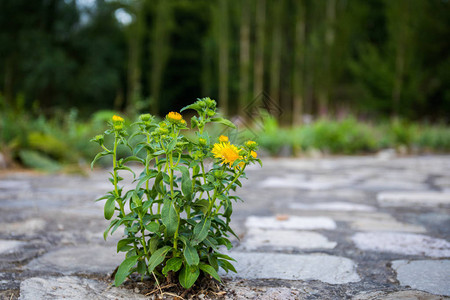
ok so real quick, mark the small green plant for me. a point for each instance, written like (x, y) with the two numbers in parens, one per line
(178, 214)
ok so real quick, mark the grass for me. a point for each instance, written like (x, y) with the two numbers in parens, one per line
(350, 136)
(62, 143)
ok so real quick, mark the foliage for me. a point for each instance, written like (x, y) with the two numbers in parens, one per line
(43, 143)
(380, 57)
(349, 136)
(180, 209)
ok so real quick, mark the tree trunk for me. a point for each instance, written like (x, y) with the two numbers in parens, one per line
(9, 82)
(324, 94)
(223, 55)
(258, 80)
(298, 69)
(160, 50)
(275, 63)
(134, 70)
(244, 67)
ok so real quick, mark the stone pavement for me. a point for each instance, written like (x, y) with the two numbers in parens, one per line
(336, 228)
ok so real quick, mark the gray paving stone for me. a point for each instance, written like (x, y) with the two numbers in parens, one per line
(70, 287)
(416, 198)
(299, 183)
(332, 206)
(427, 275)
(238, 290)
(14, 184)
(89, 259)
(26, 227)
(400, 295)
(325, 268)
(389, 224)
(286, 239)
(381, 184)
(293, 222)
(9, 246)
(402, 243)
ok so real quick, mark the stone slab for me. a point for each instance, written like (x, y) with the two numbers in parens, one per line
(391, 224)
(325, 268)
(286, 239)
(416, 198)
(78, 260)
(332, 206)
(427, 275)
(9, 246)
(14, 184)
(70, 287)
(26, 227)
(315, 184)
(402, 243)
(400, 295)
(293, 222)
(380, 184)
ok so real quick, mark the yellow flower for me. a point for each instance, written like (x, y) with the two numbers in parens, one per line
(254, 154)
(117, 119)
(175, 117)
(228, 153)
(250, 144)
(223, 139)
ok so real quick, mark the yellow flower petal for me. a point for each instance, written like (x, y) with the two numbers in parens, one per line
(223, 138)
(226, 152)
(117, 119)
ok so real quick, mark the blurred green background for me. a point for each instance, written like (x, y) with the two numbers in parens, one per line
(348, 76)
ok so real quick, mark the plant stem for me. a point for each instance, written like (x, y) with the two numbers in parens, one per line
(116, 189)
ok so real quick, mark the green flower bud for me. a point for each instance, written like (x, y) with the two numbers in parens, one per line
(98, 139)
(145, 117)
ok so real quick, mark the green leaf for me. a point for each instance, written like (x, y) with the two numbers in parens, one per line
(104, 197)
(173, 264)
(194, 105)
(207, 187)
(169, 216)
(157, 183)
(110, 206)
(201, 231)
(98, 156)
(124, 269)
(188, 276)
(133, 158)
(153, 244)
(220, 255)
(141, 267)
(202, 205)
(191, 255)
(186, 183)
(136, 199)
(171, 145)
(145, 178)
(228, 208)
(157, 257)
(224, 122)
(226, 265)
(105, 233)
(126, 169)
(152, 227)
(213, 261)
(208, 242)
(210, 270)
(122, 244)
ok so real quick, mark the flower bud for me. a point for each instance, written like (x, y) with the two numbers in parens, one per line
(145, 117)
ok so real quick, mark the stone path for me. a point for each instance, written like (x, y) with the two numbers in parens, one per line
(340, 228)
